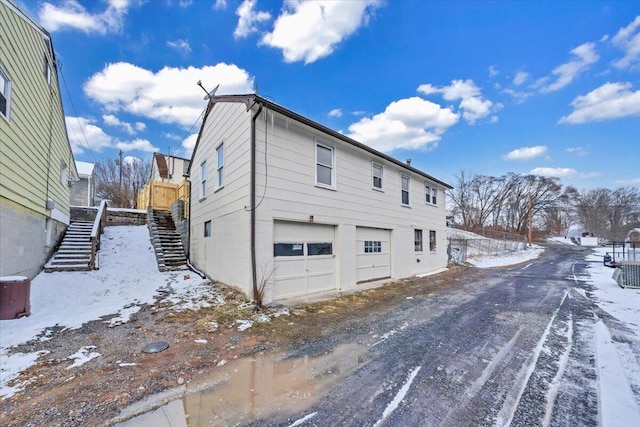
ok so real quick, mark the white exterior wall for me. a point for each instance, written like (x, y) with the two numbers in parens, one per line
(225, 256)
(292, 195)
(176, 168)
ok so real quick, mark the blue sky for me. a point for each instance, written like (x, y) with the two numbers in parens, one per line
(550, 88)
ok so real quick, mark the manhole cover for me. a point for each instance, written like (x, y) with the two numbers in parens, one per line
(156, 347)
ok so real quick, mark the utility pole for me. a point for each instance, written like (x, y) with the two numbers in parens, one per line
(120, 168)
(530, 220)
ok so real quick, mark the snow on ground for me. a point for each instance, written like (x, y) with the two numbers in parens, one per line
(128, 278)
(561, 240)
(507, 259)
(623, 304)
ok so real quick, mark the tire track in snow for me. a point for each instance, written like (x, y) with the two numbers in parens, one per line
(399, 396)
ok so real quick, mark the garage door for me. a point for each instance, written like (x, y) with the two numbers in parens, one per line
(373, 255)
(303, 259)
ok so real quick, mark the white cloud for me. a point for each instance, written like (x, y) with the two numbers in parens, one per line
(73, 15)
(185, 3)
(554, 172)
(220, 5)
(609, 101)
(519, 96)
(628, 39)
(578, 151)
(630, 182)
(520, 78)
(336, 112)
(83, 135)
(180, 45)
(583, 56)
(170, 95)
(525, 153)
(307, 31)
(411, 123)
(111, 120)
(140, 126)
(472, 105)
(248, 19)
(131, 160)
(136, 144)
(493, 71)
(170, 135)
(188, 144)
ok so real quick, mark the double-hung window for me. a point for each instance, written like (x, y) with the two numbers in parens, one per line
(417, 240)
(405, 189)
(427, 194)
(376, 172)
(325, 170)
(432, 240)
(434, 194)
(5, 94)
(203, 180)
(220, 168)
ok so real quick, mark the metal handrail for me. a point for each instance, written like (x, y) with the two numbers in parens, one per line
(98, 227)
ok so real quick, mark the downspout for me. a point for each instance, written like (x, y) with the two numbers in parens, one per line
(253, 203)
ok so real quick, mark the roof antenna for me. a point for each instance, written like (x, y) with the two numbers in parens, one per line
(208, 94)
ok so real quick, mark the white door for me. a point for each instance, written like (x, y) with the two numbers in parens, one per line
(303, 259)
(373, 254)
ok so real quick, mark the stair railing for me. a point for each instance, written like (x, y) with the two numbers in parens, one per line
(96, 231)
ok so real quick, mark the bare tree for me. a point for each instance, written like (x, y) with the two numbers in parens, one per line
(606, 213)
(120, 183)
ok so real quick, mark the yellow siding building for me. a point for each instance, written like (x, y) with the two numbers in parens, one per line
(36, 161)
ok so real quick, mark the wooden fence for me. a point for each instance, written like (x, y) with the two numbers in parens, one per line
(161, 195)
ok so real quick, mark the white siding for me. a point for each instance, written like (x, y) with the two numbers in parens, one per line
(225, 256)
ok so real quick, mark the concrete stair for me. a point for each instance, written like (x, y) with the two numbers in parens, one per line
(166, 241)
(74, 253)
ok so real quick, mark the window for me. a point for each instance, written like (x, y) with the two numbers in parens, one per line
(405, 189)
(372, 246)
(417, 240)
(427, 194)
(288, 249)
(220, 170)
(319, 249)
(5, 94)
(434, 193)
(207, 229)
(203, 180)
(432, 240)
(324, 165)
(47, 69)
(64, 174)
(376, 170)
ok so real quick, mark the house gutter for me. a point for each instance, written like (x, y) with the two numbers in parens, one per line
(253, 203)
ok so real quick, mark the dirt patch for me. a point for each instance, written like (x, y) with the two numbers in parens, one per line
(96, 392)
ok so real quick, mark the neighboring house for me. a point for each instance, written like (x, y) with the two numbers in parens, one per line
(633, 235)
(277, 198)
(83, 190)
(36, 162)
(166, 184)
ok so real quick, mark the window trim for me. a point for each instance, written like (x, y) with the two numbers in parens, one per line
(6, 94)
(418, 241)
(203, 181)
(408, 178)
(220, 168)
(331, 148)
(373, 176)
(433, 246)
(427, 194)
(207, 229)
(434, 193)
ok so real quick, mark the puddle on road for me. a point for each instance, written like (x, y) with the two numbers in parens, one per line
(253, 388)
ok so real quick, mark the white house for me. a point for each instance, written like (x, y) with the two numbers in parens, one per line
(277, 198)
(83, 190)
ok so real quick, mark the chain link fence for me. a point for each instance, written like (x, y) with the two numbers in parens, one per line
(464, 245)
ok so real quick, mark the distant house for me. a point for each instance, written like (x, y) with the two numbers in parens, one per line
(83, 190)
(280, 200)
(633, 236)
(36, 162)
(166, 184)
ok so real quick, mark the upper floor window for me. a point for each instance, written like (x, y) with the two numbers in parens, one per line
(405, 189)
(5, 94)
(427, 194)
(325, 172)
(376, 171)
(430, 194)
(220, 169)
(434, 194)
(47, 69)
(203, 180)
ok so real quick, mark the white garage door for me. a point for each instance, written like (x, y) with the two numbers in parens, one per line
(373, 255)
(303, 259)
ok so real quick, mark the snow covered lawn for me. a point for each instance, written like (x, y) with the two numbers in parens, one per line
(507, 259)
(127, 279)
